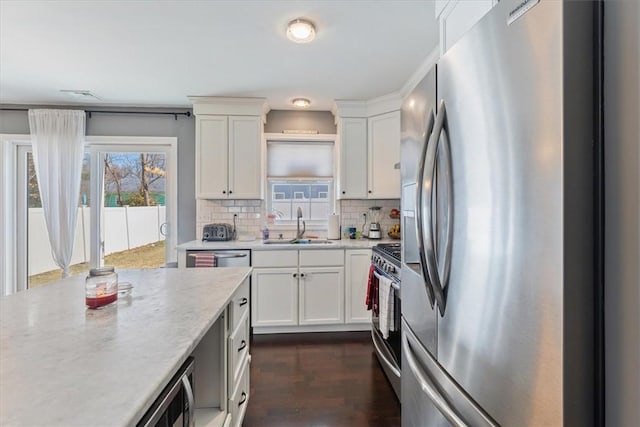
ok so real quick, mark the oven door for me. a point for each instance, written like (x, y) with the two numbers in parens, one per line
(388, 349)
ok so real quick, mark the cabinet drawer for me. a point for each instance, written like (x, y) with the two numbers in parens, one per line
(322, 257)
(239, 305)
(275, 258)
(238, 349)
(240, 397)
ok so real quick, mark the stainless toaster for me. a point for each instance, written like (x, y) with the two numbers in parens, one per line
(218, 232)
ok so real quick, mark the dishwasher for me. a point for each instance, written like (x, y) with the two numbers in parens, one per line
(224, 257)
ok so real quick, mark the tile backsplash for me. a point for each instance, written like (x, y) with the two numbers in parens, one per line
(251, 215)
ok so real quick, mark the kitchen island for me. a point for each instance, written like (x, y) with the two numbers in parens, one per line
(63, 364)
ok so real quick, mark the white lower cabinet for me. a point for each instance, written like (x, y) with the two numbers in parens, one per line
(321, 295)
(240, 396)
(222, 361)
(356, 265)
(274, 292)
(310, 294)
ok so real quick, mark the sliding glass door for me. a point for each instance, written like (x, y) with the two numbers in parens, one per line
(126, 207)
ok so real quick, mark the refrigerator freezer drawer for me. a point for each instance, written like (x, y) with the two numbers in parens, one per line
(430, 397)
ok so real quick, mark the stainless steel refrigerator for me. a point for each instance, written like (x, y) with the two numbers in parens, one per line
(499, 166)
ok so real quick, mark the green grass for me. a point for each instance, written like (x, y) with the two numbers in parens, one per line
(148, 256)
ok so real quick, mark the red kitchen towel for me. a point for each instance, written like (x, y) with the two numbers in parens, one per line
(205, 260)
(372, 283)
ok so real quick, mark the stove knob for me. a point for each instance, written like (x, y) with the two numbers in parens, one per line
(393, 270)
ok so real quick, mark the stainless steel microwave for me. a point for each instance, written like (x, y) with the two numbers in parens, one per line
(175, 406)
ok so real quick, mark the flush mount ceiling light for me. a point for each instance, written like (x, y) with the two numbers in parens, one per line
(301, 102)
(301, 31)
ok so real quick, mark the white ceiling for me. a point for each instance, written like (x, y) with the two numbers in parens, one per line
(160, 52)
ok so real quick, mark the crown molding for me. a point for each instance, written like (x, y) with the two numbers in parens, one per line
(230, 106)
(347, 108)
(386, 103)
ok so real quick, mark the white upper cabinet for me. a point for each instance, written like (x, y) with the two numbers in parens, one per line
(212, 149)
(369, 148)
(353, 158)
(228, 147)
(244, 157)
(457, 17)
(384, 155)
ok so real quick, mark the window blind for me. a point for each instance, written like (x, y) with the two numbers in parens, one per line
(299, 159)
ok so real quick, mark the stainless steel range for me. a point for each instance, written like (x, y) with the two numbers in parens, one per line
(386, 337)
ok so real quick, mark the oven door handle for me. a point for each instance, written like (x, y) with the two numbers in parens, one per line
(395, 285)
(382, 354)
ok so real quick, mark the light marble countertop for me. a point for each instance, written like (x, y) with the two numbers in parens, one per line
(64, 365)
(259, 245)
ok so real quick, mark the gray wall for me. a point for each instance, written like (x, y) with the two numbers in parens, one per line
(138, 125)
(622, 212)
(279, 120)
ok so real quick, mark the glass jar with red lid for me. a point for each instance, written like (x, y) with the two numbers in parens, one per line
(101, 287)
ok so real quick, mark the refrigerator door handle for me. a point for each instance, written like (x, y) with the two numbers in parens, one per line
(426, 206)
(446, 152)
(419, 215)
(428, 388)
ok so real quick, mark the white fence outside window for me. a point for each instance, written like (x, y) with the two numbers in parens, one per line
(124, 228)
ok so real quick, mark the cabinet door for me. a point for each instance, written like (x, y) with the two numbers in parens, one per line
(321, 295)
(274, 297)
(244, 157)
(356, 266)
(384, 154)
(211, 157)
(353, 159)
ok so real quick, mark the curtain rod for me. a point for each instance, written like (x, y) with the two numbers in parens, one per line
(90, 112)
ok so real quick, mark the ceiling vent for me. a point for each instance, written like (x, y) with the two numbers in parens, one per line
(84, 95)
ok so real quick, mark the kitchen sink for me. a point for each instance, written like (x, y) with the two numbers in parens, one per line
(297, 242)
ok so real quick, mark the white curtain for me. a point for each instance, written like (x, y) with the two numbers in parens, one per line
(57, 137)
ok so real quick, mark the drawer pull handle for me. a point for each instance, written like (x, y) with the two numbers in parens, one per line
(243, 399)
(243, 345)
(243, 301)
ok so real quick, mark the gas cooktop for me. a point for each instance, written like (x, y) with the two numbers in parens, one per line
(389, 250)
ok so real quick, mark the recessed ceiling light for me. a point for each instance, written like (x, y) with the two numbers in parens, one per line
(301, 102)
(301, 31)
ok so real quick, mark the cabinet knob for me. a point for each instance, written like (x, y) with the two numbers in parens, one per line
(369, 191)
(224, 192)
(301, 274)
(344, 192)
(295, 274)
(230, 191)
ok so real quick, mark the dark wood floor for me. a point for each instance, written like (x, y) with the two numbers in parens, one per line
(322, 379)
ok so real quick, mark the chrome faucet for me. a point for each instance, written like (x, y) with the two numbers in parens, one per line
(304, 225)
